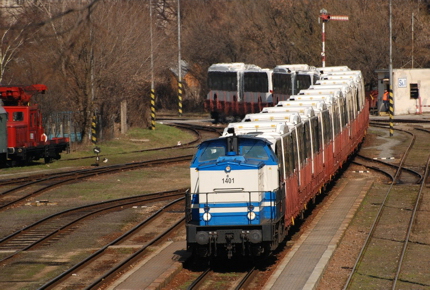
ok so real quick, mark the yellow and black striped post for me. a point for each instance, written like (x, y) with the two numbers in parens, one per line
(94, 129)
(391, 108)
(180, 98)
(152, 109)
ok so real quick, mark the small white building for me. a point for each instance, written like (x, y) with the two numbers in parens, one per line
(411, 90)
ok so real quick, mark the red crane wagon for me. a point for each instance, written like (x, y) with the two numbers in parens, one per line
(25, 136)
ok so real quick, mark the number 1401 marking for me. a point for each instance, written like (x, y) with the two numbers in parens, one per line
(228, 180)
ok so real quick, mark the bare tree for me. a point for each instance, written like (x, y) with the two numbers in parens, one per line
(9, 48)
(97, 57)
(95, 54)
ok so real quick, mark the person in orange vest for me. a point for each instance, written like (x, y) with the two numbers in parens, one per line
(385, 100)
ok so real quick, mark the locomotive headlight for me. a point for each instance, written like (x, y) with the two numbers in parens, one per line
(206, 216)
(227, 169)
(251, 214)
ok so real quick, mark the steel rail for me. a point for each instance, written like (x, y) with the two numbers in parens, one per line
(81, 174)
(379, 213)
(119, 203)
(376, 169)
(55, 281)
(411, 171)
(190, 128)
(246, 279)
(410, 226)
(198, 281)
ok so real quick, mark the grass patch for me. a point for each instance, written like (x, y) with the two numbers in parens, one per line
(124, 251)
(128, 183)
(119, 150)
(136, 139)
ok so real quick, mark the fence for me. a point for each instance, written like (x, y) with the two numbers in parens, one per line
(61, 124)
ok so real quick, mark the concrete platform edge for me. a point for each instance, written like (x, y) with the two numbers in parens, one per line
(166, 277)
(313, 280)
(144, 261)
(315, 277)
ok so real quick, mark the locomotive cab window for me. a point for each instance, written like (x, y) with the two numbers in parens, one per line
(212, 152)
(249, 148)
(18, 116)
(255, 152)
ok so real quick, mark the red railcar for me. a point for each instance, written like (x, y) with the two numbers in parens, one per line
(25, 136)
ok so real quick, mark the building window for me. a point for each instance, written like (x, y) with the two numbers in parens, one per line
(415, 93)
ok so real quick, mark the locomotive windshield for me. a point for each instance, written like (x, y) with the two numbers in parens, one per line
(249, 148)
(18, 116)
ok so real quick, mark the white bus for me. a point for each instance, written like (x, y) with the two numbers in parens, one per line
(290, 79)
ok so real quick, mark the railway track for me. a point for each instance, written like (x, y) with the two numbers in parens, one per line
(122, 252)
(34, 187)
(389, 169)
(60, 224)
(399, 120)
(201, 132)
(411, 179)
(199, 128)
(237, 280)
(196, 130)
(50, 233)
(390, 257)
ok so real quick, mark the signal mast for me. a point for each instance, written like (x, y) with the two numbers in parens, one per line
(325, 17)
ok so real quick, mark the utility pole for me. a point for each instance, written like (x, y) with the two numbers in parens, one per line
(412, 42)
(94, 119)
(179, 61)
(152, 70)
(391, 98)
(325, 17)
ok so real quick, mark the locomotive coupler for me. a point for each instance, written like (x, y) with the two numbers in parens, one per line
(243, 237)
(229, 246)
(212, 238)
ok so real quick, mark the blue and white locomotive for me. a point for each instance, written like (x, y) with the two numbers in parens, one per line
(236, 204)
(249, 186)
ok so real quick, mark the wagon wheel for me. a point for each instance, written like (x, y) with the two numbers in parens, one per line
(48, 160)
